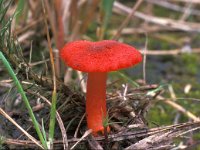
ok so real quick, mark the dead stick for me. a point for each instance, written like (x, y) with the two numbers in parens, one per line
(128, 18)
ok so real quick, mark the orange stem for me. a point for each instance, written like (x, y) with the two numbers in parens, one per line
(96, 101)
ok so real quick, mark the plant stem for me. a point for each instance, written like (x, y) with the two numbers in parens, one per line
(52, 118)
(24, 98)
(96, 101)
(54, 94)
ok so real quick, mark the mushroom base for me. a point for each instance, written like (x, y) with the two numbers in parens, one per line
(96, 101)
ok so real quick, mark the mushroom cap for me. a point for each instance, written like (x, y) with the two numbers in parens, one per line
(102, 56)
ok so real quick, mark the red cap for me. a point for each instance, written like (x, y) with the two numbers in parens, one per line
(102, 56)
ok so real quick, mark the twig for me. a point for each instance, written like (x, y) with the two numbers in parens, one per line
(24, 36)
(5, 84)
(124, 98)
(170, 23)
(51, 19)
(173, 97)
(182, 133)
(54, 94)
(60, 27)
(128, 18)
(60, 122)
(172, 93)
(66, 15)
(57, 62)
(187, 11)
(173, 6)
(2, 112)
(119, 136)
(84, 136)
(143, 30)
(60, 41)
(180, 108)
(38, 62)
(76, 132)
(168, 52)
(192, 1)
(30, 25)
(89, 14)
(183, 110)
(81, 81)
(75, 31)
(152, 141)
(145, 58)
(93, 143)
(56, 35)
(68, 75)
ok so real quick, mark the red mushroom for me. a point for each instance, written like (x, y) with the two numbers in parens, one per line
(98, 58)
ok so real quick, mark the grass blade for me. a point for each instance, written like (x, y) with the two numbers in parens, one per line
(125, 77)
(106, 12)
(19, 10)
(54, 94)
(24, 98)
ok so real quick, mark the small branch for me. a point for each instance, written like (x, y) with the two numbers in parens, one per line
(173, 6)
(183, 110)
(88, 132)
(54, 94)
(145, 58)
(156, 140)
(79, 124)
(168, 52)
(192, 1)
(3, 113)
(142, 30)
(170, 23)
(128, 18)
(93, 143)
(60, 122)
(60, 27)
(119, 136)
(180, 108)
(187, 11)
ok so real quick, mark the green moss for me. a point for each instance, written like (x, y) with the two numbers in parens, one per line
(190, 62)
(160, 115)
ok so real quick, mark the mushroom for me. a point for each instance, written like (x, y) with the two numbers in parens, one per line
(97, 59)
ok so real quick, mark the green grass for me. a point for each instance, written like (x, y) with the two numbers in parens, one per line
(24, 98)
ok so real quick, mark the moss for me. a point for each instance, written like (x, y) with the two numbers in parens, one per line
(165, 116)
(190, 61)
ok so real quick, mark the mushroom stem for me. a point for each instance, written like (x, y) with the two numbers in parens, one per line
(96, 101)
